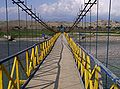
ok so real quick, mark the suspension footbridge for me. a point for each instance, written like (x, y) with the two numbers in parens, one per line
(57, 62)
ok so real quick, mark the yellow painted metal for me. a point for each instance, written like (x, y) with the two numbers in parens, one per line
(33, 58)
(12, 72)
(1, 77)
(27, 63)
(17, 74)
(96, 79)
(30, 67)
(87, 71)
(9, 77)
(91, 77)
(36, 54)
(114, 86)
(31, 61)
(22, 81)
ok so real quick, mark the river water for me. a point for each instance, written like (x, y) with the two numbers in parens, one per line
(14, 47)
(114, 51)
(114, 55)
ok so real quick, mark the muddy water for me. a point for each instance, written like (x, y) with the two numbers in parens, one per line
(13, 47)
(114, 54)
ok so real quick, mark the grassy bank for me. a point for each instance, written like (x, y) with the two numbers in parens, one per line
(27, 33)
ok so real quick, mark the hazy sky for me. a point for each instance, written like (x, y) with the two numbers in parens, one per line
(62, 10)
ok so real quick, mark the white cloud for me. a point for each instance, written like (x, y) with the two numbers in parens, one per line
(61, 8)
(68, 9)
(11, 10)
(71, 8)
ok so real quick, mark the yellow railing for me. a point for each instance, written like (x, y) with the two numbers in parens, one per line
(23, 66)
(90, 74)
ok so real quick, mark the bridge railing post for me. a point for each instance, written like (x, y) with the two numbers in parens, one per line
(90, 68)
(1, 77)
(27, 63)
(17, 73)
(37, 55)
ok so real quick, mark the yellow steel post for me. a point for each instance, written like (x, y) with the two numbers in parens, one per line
(17, 75)
(47, 46)
(43, 49)
(36, 54)
(27, 63)
(12, 72)
(80, 53)
(1, 77)
(87, 71)
(82, 64)
(79, 64)
(114, 86)
(82, 68)
(33, 57)
(96, 83)
(30, 67)
(8, 75)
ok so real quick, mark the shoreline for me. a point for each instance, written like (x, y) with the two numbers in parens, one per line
(25, 39)
(100, 38)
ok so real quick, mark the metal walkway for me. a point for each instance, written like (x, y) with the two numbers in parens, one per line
(58, 70)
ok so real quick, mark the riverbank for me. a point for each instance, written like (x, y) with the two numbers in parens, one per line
(26, 39)
(100, 38)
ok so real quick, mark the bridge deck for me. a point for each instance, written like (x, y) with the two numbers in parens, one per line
(58, 70)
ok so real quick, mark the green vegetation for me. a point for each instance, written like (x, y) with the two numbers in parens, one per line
(27, 33)
(2, 34)
(100, 33)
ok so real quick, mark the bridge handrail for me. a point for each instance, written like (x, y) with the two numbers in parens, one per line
(111, 75)
(26, 66)
(20, 52)
(91, 76)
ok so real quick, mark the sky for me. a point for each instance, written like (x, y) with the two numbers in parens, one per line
(62, 10)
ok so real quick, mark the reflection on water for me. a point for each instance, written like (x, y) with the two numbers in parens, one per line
(114, 53)
(114, 57)
(14, 47)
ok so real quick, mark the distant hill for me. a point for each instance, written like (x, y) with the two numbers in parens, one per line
(14, 23)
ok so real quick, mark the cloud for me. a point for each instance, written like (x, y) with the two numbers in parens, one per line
(60, 9)
(69, 8)
(11, 10)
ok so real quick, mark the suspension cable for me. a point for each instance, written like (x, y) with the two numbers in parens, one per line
(79, 31)
(96, 54)
(82, 29)
(26, 25)
(90, 33)
(8, 48)
(76, 21)
(32, 26)
(39, 27)
(35, 24)
(82, 14)
(85, 31)
(31, 13)
(108, 39)
(19, 29)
